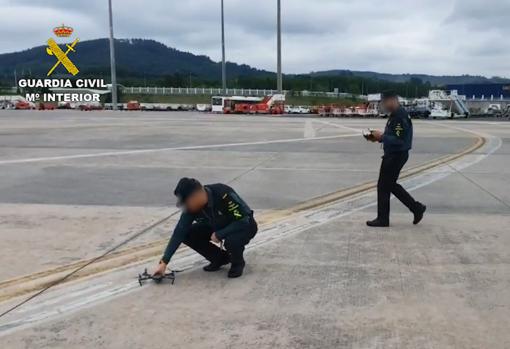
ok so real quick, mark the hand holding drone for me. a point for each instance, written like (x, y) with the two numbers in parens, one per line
(156, 278)
(372, 135)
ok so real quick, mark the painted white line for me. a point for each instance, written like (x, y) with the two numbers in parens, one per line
(339, 126)
(309, 130)
(68, 295)
(241, 168)
(156, 150)
(284, 229)
(69, 307)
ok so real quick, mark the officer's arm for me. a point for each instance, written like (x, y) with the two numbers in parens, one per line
(395, 133)
(239, 212)
(178, 236)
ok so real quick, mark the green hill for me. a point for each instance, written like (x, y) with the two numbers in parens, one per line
(136, 58)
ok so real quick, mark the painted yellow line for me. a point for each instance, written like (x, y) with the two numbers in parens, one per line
(30, 283)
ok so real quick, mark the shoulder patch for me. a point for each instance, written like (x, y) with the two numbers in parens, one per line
(399, 129)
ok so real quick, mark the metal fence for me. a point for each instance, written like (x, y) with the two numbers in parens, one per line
(193, 91)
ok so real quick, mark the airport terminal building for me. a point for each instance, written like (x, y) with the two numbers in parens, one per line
(483, 91)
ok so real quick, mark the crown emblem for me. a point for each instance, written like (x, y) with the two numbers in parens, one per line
(63, 31)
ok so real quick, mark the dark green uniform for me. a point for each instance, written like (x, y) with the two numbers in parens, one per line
(225, 214)
(397, 141)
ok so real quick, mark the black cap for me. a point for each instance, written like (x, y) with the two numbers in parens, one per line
(389, 94)
(185, 188)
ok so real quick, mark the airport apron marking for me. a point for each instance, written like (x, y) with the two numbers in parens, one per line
(83, 294)
(144, 151)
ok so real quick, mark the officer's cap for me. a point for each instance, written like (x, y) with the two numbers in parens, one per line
(389, 94)
(185, 188)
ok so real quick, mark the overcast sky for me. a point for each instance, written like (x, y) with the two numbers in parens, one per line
(399, 36)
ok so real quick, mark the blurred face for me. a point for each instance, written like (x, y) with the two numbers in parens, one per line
(196, 201)
(390, 104)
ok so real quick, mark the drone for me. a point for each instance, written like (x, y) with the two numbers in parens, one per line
(368, 134)
(157, 279)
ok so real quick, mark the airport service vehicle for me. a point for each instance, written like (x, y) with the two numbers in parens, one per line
(226, 105)
(274, 104)
(439, 105)
(368, 110)
(296, 110)
(6, 105)
(46, 106)
(203, 107)
(506, 112)
(90, 106)
(66, 105)
(494, 109)
(24, 105)
(324, 110)
(248, 105)
(330, 110)
(438, 111)
(133, 105)
(341, 111)
(451, 101)
(417, 111)
(361, 110)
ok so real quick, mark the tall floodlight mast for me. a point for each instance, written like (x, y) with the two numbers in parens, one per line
(279, 59)
(223, 61)
(112, 58)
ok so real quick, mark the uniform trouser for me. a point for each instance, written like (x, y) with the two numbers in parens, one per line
(388, 175)
(199, 239)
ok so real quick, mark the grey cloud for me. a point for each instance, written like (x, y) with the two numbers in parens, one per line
(419, 36)
(482, 15)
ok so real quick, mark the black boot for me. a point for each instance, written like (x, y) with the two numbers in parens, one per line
(236, 270)
(378, 223)
(418, 212)
(216, 265)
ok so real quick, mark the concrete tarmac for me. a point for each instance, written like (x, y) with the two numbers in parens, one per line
(74, 184)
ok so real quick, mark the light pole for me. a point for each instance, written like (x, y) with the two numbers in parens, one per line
(223, 62)
(112, 58)
(279, 59)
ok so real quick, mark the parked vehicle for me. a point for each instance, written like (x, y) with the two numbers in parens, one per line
(494, 109)
(46, 106)
(226, 105)
(6, 105)
(66, 105)
(504, 112)
(297, 109)
(203, 107)
(90, 107)
(24, 105)
(438, 111)
(133, 105)
(268, 105)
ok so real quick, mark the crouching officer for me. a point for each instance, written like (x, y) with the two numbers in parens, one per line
(211, 213)
(397, 140)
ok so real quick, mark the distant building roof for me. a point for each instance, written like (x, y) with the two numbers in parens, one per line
(482, 90)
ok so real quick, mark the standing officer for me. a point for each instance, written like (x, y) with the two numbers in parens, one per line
(397, 140)
(211, 213)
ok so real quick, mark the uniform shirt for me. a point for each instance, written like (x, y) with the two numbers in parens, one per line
(398, 134)
(225, 212)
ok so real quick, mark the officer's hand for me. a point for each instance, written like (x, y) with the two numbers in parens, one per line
(377, 135)
(160, 270)
(214, 238)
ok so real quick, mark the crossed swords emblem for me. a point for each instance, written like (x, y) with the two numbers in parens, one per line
(54, 50)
